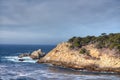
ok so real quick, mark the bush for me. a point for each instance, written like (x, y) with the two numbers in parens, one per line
(84, 51)
(110, 41)
(71, 47)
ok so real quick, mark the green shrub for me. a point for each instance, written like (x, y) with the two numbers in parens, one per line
(71, 47)
(103, 41)
(84, 51)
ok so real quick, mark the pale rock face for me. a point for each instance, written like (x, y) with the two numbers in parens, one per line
(97, 60)
(36, 54)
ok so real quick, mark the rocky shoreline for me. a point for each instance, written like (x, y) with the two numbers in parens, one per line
(37, 54)
(76, 67)
(62, 55)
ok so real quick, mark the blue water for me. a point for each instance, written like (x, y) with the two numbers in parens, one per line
(11, 69)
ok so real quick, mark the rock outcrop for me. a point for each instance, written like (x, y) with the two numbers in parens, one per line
(24, 55)
(97, 60)
(37, 54)
(34, 55)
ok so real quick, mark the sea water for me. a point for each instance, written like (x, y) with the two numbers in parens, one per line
(13, 69)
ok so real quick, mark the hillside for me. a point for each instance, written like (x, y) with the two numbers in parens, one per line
(89, 53)
(111, 41)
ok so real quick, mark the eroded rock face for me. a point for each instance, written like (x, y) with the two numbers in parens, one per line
(37, 54)
(98, 60)
(34, 55)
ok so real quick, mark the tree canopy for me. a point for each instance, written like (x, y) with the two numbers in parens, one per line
(111, 41)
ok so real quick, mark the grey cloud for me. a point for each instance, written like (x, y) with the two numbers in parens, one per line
(59, 17)
(60, 12)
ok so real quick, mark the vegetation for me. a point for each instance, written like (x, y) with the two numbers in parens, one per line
(84, 51)
(111, 41)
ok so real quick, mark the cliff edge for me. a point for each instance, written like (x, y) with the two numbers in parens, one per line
(96, 60)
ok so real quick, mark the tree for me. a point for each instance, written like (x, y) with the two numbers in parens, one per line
(103, 34)
(111, 41)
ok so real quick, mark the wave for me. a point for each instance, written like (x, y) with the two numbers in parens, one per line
(17, 59)
(36, 73)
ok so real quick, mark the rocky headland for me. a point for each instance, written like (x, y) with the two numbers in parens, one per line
(97, 60)
(90, 56)
(91, 53)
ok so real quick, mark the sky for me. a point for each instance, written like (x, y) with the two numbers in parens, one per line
(55, 21)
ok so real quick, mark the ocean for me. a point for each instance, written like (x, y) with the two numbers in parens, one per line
(13, 69)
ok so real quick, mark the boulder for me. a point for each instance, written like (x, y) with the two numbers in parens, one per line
(37, 54)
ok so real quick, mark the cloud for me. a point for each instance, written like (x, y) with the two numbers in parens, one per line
(17, 37)
(60, 19)
(54, 12)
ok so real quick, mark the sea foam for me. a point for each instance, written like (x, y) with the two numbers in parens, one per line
(16, 59)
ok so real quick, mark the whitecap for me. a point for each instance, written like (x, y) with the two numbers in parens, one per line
(17, 59)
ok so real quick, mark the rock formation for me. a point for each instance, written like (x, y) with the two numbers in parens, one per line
(37, 54)
(34, 55)
(24, 55)
(97, 60)
(21, 59)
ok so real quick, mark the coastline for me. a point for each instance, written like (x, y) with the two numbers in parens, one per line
(63, 56)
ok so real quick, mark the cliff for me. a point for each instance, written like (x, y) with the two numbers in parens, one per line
(97, 60)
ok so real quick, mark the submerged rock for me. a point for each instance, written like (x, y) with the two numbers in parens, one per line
(97, 60)
(21, 59)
